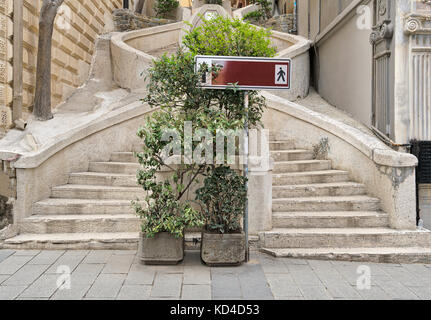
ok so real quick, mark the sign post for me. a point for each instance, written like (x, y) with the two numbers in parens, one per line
(246, 74)
(246, 169)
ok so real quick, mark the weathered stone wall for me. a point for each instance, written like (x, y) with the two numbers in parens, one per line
(127, 20)
(77, 26)
(73, 44)
(282, 23)
(5, 64)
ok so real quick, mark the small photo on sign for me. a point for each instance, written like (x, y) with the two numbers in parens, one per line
(206, 77)
(281, 75)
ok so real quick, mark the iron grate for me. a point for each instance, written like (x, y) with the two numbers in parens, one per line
(422, 150)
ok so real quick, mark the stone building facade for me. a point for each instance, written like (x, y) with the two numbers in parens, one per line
(372, 59)
(77, 26)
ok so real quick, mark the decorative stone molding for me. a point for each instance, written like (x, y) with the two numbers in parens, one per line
(383, 31)
(418, 23)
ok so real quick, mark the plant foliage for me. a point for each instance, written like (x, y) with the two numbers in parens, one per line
(265, 8)
(219, 2)
(223, 196)
(175, 95)
(164, 7)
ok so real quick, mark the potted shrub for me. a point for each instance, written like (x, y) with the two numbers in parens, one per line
(223, 199)
(182, 106)
(164, 220)
(165, 215)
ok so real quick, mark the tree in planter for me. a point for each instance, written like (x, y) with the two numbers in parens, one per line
(164, 7)
(174, 90)
(223, 199)
(165, 213)
(42, 101)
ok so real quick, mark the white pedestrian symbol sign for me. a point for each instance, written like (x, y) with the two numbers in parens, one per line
(281, 74)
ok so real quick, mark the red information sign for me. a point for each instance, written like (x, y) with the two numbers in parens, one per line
(247, 73)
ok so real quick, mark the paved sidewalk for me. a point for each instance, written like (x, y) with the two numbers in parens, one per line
(118, 275)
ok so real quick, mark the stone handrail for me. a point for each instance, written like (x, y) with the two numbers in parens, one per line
(370, 146)
(387, 174)
(130, 64)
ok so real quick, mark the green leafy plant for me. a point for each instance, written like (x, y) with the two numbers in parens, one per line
(224, 36)
(175, 93)
(219, 2)
(165, 210)
(265, 8)
(253, 16)
(164, 213)
(223, 199)
(164, 7)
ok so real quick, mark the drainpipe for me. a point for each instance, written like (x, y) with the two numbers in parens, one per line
(17, 59)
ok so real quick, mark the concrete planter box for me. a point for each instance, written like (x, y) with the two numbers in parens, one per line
(218, 250)
(163, 249)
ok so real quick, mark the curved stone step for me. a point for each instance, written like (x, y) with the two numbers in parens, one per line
(41, 224)
(88, 241)
(377, 255)
(302, 166)
(318, 190)
(344, 238)
(352, 203)
(82, 206)
(124, 157)
(326, 176)
(75, 191)
(281, 145)
(341, 219)
(292, 155)
(74, 241)
(114, 167)
(103, 179)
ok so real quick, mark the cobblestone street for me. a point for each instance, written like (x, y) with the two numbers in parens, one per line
(103, 275)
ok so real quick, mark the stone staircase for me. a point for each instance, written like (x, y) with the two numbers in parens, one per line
(93, 211)
(319, 213)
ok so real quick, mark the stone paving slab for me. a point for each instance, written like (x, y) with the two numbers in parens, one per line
(86, 274)
(43, 287)
(97, 257)
(12, 264)
(106, 286)
(76, 292)
(140, 275)
(4, 254)
(110, 275)
(225, 286)
(315, 292)
(70, 261)
(118, 264)
(27, 253)
(10, 293)
(47, 257)
(26, 275)
(135, 292)
(3, 278)
(196, 292)
(167, 285)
